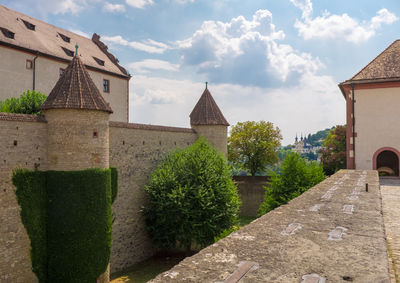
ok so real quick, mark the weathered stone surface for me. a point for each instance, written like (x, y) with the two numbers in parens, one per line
(136, 153)
(22, 144)
(360, 256)
(390, 189)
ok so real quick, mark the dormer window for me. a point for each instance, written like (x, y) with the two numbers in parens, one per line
(68, 52)
(29, 25)
(65, 38)
(7, 33)
(99, 61)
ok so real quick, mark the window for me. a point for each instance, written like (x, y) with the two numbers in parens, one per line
(106, 85)
(65, 38)
(99, 61)
(29, 25)
(62, 72)
(68, 52)
(7, 33)
(29, 64)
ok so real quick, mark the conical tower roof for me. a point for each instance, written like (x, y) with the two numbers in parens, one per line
(207, 112)
(76, 90)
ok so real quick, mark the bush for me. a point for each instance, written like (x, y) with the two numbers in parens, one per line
(296, 176)
(67, 215)
(28, 103)
(32, 198)
(192, 198)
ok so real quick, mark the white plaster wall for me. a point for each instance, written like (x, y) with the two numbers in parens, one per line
(377, 123)
(15, 79)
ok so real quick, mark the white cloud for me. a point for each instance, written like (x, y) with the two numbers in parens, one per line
(151, 64)
(344, 27)
(118, 8)
(313, 105)
(148, 45)
(304, 5)
(140, 4)
(245, 52)
(68, 6)
(184, 1)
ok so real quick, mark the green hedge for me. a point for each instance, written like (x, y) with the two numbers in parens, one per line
(32, 196)
(114, 183)
(74, 212)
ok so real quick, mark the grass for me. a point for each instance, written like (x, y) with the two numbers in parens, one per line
(148, 269)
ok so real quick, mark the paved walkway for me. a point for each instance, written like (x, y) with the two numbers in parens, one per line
(390, 190)
(332, 233)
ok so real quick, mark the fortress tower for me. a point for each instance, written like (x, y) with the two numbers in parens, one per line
(208, 121)
(77, 116)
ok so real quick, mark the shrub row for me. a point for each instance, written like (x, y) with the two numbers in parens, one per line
(67, 215)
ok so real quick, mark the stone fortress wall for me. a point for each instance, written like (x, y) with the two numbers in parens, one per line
(23, 143)
(135, 150)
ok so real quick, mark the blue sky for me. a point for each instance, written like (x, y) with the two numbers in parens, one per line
(278, 61)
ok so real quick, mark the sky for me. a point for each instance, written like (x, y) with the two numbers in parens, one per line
(277, 61)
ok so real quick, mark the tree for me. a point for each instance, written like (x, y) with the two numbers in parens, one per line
(192, 198)
(296, 176)
(28, 103)
(333, 152)
(253, 145)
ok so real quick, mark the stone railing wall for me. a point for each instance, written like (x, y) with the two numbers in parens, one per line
(334, 232)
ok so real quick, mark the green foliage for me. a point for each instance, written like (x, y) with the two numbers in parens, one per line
(79, 224)
(31, 196)
(114, 183)
(296, 176)
(333, 153)
(253, 145)
(192, 198)
(317, 138)
(71, 212)
(28, 103)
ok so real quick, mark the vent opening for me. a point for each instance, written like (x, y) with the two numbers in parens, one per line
(29, 25)
(64, 37)
(99, 61)
(7, 33)
(68, 52)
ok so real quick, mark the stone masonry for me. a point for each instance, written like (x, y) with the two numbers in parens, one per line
(334, 232)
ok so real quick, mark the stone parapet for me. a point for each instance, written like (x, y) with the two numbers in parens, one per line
(333, 232)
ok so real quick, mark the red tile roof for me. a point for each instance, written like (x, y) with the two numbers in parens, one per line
(150, 127)
(76, 90)
(206, 112)
(384, 67)
(47, 40)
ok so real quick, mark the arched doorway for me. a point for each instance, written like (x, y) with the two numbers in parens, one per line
(386, 161)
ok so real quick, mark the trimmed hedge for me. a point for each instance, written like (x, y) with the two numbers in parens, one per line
(114, 183)
(75, 221)
(31, 196)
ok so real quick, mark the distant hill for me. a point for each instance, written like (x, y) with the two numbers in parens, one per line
(317, 138)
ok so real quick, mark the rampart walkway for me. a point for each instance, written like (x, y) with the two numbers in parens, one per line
(390, 189)
(332, 233)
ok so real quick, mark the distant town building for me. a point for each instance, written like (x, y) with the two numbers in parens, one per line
(372, 107)
(302, 146)
(35, 54)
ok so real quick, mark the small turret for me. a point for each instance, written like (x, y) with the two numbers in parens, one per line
(77, 116)
(208, 121)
